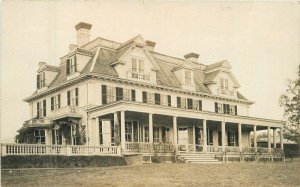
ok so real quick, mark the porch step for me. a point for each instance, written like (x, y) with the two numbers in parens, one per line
(196, 158)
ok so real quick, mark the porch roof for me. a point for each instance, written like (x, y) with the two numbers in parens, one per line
(180, 112)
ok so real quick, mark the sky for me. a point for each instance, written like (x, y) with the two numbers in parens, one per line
(260, 40)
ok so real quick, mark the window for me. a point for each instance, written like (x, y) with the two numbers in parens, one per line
(169, 100)
(39, 136)
(56, 137)
(109, 94)
(146, 134)
(165, 134)
(218, 107)
(131, 131)
(178, 102)
(141, 66)
(188, 77)
(55, 102)
(134, 65)
(148, 97)
(41, 109)
(183, 103)
(222, 83)
(119, 93)
(226, 84)
(189, 103)
(72, 97)
(132, 95)
(157, 98)
(71, 65)
(226, 109)
(41, 80)
(156, 138)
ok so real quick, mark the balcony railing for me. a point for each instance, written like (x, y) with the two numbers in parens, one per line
(226, 92)
(139, 75)
(64, 111)
(35, 122)
(69, 150)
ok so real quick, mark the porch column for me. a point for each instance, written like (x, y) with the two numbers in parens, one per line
(175, 131)
(254, 136)
(150, 128)
(274, 138)
(204, 136)
(223, 136)
(281, 138)
(240, 136)
(96, 129)
(123, 129)
(116, 129)
(269, 139)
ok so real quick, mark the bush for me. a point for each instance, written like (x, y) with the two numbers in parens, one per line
(52, 161)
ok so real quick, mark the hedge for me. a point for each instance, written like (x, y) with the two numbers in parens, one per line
(53, 161)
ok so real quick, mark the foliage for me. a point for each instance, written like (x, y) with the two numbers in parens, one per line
(290, 101)
(25, 135)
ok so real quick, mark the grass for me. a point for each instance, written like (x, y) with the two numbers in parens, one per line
(230, 174)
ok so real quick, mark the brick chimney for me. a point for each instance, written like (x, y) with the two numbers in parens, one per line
(83, 33)
(192, 57)
(150, 45)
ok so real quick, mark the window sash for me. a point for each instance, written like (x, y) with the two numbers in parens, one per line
(188, 77)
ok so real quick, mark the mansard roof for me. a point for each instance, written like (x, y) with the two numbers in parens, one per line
(110, 52)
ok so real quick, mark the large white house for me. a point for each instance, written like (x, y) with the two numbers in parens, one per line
(107, 93)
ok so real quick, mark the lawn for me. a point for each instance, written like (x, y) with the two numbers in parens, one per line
(230, 174)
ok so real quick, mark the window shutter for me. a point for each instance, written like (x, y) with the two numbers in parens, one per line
(68, 67)
(144, 97)
(132, 95)
(58, 101)
(224, 109)
(103, 94)
(38, 110)
(216, 107)
(44, 80)
(119, 93)
(38, 81)
(44, 108)
(75, 63)
(76, 96)
(178, 102)
(52, 103)
(157, 98)
(169, 100)
(68, 98)
(200, 105)
(235, 107)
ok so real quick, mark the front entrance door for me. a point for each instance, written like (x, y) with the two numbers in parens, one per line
(183, 139)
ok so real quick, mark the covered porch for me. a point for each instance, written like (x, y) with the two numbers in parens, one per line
(137, 128)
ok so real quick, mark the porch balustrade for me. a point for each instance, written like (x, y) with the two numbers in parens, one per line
(149, 147)
(69, 150)
(232, 149)
(211, 148)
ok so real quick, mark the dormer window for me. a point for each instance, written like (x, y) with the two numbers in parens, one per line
(226, 84)
(222, 83)
(137, 67)
(71, 65)
(188, 77)
(41, 80)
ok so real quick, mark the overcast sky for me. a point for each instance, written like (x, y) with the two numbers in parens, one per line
(260, 40)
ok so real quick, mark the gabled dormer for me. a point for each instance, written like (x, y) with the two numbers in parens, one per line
(76, 61)
(220, 80)
(184, 72)
(134, 62)
(45, 76)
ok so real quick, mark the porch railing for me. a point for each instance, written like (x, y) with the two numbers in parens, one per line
(190, 148)
(68, 150)
(65, 110)
(149, 147)
(211, 148)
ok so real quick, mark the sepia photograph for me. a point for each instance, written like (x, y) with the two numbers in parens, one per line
(150, 93)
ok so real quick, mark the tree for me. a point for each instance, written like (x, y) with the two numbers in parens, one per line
(290, 101)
